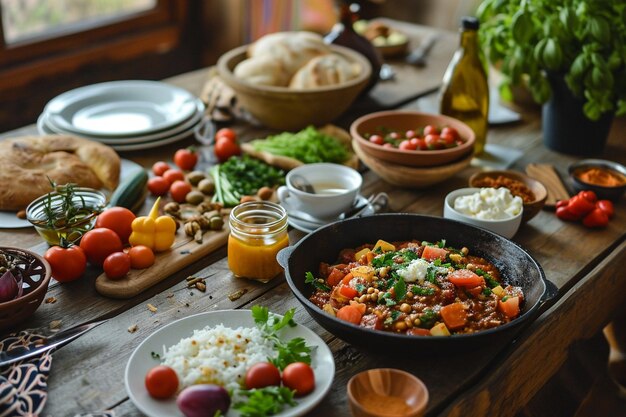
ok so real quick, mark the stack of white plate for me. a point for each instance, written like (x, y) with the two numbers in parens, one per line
(126, 115)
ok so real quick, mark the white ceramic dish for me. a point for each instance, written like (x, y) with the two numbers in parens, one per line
(114, 141)
(506, 227)
(8, 219)
(308, 224)
(121, 108)
(141, 361)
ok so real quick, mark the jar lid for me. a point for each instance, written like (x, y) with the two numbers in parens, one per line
(470, 22)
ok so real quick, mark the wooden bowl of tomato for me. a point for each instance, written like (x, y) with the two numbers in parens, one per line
(413, 138)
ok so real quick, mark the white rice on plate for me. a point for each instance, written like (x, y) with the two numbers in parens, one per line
(218, 355)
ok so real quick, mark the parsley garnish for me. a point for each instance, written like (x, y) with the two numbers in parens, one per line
(428, 318)
(490, 281)
(442, 243)
(384, 260)
(387, 300)
(486, 291)
(399, 288)
(422, 290)
(393, 317)
(431, 274)
(310, 279)
(265, 401)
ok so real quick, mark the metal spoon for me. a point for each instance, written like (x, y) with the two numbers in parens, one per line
(300, 183)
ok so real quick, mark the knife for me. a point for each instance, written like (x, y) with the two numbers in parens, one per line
(55, 341)
(418, 55)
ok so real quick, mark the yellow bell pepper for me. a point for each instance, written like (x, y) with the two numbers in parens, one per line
(154, 231)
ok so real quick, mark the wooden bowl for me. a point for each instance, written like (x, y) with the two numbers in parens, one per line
(401, 121)
(531, 208)
(387, 392)
(407, 176)
(288, 109)
(35, 272)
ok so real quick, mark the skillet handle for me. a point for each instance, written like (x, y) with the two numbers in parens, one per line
(283, 256)
(551, 291)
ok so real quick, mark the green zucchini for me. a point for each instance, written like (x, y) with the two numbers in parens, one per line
(131, 192)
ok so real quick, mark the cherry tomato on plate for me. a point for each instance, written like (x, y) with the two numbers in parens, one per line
(160, 167)
(67, 264)
(226, 132)
(100, 243)
(141, 257)
(118, 219)
(172, 175)
(179, 190)
(262, 374)
(161, 382)
(158, 186)
(225, 148)
(116, 265)
(186, 159)
(300, 377)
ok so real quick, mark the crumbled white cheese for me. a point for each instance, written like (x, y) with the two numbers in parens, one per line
(489, 204)
(414, 271)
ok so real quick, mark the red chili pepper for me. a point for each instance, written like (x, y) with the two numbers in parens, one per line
(606, 206)
(597, 218)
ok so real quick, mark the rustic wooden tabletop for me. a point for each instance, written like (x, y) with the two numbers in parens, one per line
(585, 265)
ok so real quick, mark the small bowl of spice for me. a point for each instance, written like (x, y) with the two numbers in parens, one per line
(532, 192)
(387, 392)
(606, 178)
(67, 212)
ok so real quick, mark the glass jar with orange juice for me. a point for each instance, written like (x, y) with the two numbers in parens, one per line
(258, 230)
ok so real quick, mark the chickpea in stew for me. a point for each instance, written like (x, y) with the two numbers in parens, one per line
(416, 288)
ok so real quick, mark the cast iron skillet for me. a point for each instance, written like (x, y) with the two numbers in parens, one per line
(516, 265)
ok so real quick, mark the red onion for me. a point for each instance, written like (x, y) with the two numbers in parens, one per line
(8, 287)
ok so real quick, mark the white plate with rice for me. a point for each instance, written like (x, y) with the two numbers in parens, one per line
(174, 345)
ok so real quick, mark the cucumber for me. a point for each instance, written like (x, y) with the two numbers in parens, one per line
(131, 192)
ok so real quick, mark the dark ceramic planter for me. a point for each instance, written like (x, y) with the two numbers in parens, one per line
(566, 129)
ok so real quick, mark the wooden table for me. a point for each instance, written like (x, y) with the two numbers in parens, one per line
(586, 266)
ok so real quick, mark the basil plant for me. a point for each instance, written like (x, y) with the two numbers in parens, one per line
(582, 40)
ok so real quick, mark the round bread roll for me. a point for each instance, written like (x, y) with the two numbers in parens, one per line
(324, 70)
(262, 70)
(27, 162)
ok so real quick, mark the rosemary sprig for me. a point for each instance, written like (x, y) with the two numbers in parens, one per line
(69, 211)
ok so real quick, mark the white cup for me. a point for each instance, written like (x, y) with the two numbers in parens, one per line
(336, 189)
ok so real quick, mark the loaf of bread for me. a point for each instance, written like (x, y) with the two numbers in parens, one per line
(263, 70)
(324, 70)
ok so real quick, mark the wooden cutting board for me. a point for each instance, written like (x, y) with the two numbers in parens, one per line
(547, 175)
(184, 252)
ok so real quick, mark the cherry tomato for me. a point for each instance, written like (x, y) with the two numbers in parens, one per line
(186, 159)
(377, 139)
(450, 131)
(172, 175)
(227, 133)
(161, 382)
(67, 264)
(262, 374)
(410, 134)
(300, 377)
(141, 257)
(158, 186)
(116, 265)
(421, 144)
(589, 195)
(100, 243)
(179, 190)
(606, 206)
(580, 206)
(160, 167)
(407, 145)
(118, 219)
(394, 135)
(225, 148)
(432, 141)
(448, 138)
(431, 130)
(388, 145)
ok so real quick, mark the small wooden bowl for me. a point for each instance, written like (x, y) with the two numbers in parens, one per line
(531, 209)
(387, 392)
(403, 120)
(407, 176)
(36, 273)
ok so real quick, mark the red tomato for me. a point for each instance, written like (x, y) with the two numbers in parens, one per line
(589, 195)
(262, 374)
(300, 377)
(161, 382)
(510, 307)
(465, 278)
(421, 144)
(335, 277)
(158, 186)
(606, 206)
(410, 134)
(118, 219)
(172, 175)
(407, 145)
(179, 191)
(580, 206)
(225, 148)
(351, 314)
(416, 331)
(100, 243)
(450, 131)
(67, 264)
(377, 139)
(116, 265)
(394, 135)
(432, 141)
(387, 145)
(596, 218)
(433, 252)
(431, 130)
(448, 138)
(348, 292)
(227, 133)
(186, 159)
(160, 167)
(141, 257)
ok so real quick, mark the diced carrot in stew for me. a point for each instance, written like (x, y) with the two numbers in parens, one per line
(417, 331)
(362, 307)
(510, 306)
(335, 277)
(351, 314)
(370, 256)
(347, 278)
(372, 321)
(465, 278)
(454, 315)
(348, 292)
(431, 253)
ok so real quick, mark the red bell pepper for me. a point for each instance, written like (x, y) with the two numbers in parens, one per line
(597, 218)
(606, 206)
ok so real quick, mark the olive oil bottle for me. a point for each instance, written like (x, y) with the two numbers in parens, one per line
(465, 92)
